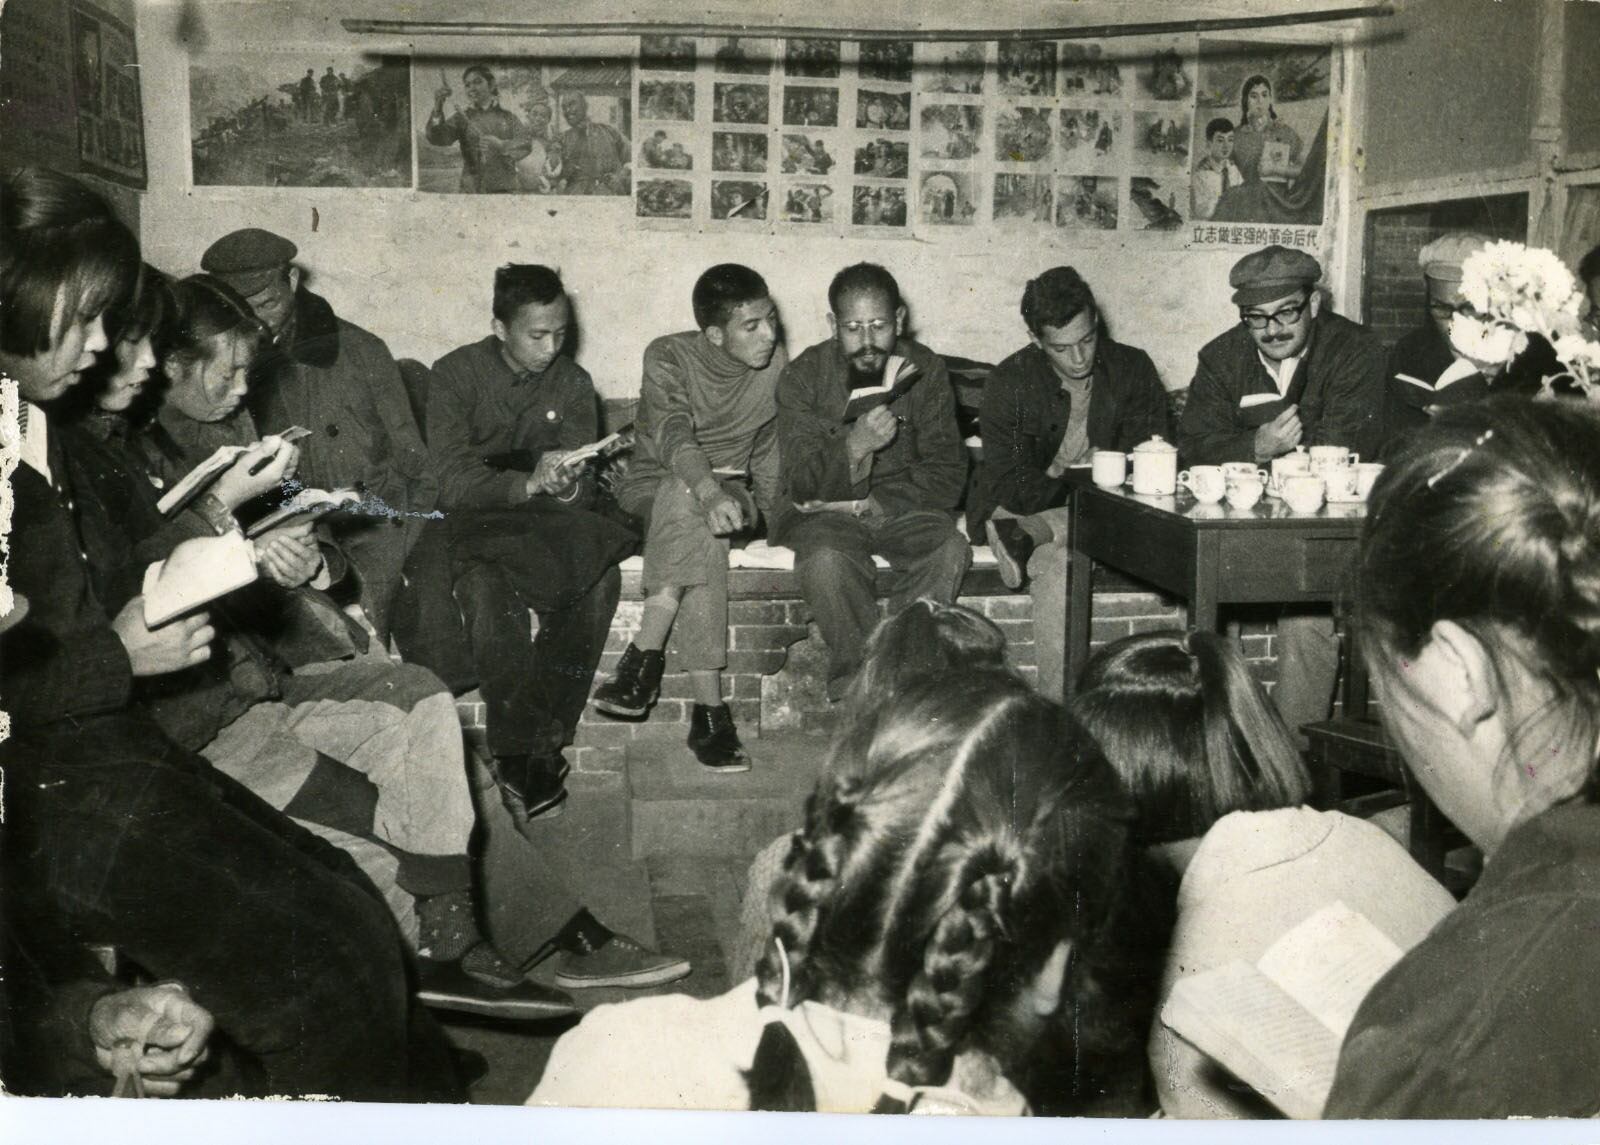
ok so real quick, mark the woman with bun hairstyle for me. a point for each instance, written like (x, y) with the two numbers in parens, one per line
(950, 898)
(1219, 792)
(1480, 616)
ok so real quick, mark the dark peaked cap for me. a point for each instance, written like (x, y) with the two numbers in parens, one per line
(1270, 273)
(248, 259)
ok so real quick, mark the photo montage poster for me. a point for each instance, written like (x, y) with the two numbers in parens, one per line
(105, 84)
(1106, 139)
(1261, 143)
(546, 126)
(299, 119)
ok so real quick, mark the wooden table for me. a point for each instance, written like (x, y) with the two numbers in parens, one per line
(1210, 555)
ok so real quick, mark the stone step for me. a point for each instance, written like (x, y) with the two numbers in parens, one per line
(680, 808)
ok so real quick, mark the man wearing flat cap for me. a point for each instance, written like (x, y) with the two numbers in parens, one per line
(1290, 373)
(1427, 372)
(341, 383)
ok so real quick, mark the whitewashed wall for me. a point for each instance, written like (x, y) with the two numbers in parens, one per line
(416, 269)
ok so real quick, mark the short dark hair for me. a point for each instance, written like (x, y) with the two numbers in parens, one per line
(144, 311)
(1217, 126)
(1589, 265)
(722, 290)
(203, 307)
(481, 70)
(1055, 298)
(863, 278)
(60, 245)
(519, 284)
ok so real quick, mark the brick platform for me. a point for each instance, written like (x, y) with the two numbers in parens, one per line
(776, 660)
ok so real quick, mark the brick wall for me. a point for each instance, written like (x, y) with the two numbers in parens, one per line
(777, 666)
(1394, 300)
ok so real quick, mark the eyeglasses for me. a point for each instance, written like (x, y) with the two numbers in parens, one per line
(876, 326)
(1284, 316)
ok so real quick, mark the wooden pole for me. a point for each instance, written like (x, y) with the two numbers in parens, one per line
(925, 35)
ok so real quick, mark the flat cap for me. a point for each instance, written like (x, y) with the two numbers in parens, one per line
(1442, 258)
(248, 259)
(1270, 273)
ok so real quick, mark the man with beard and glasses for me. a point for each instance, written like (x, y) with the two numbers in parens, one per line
(884, 483)
(1291, 373)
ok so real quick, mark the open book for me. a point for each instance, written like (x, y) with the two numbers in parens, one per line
(306, 505)
(610, 444)
(1278, 1025)
(197, 479)
(195, 572)
(899, 376)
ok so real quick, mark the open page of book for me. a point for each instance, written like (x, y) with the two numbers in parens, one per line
(1239, 1018)
(198, 478)
(1329, 963)
(306, 505)
(593, 449)
(197, 571)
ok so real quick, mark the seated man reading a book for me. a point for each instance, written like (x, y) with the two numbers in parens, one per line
(1050, 405)
(878, 475)
(705, 437)
(340, 381)
(504, 414)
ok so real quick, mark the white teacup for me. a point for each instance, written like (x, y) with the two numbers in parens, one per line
(1366, 477)
(1289, 465)
(1108, 468)
(1303, 492)
(1244, 492)
(1205, 482)
(1333, 455)
(1236, 469)
(1341, 482)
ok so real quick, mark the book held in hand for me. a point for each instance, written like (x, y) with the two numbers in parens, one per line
(194, 482)
(1278, 1025)
(196, 572)
(899, 376)
(306, 505)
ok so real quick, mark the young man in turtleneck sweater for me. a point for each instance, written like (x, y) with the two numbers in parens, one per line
(705, 425)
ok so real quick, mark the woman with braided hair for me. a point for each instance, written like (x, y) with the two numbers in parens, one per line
(953, 895)
(1480, 610)
(1218, 791)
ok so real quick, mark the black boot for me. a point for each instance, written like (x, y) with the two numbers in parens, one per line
(630, 693)
(531, 785)
(715, 741)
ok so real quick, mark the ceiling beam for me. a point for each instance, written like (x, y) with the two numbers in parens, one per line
(409, 28)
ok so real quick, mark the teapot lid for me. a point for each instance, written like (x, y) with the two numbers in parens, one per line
(1155, 445)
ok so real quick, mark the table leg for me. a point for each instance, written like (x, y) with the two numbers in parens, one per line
(1204, 591)
(1079, 602)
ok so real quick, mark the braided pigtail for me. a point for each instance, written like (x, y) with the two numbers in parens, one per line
(800, 897)
(930, 1023)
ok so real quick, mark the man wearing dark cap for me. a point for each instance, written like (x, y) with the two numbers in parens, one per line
(1290, 373)
(341, 383)
(1426, 371)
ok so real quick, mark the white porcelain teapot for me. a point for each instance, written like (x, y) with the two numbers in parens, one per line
(1155, 468)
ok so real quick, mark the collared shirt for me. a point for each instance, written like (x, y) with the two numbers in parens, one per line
(1282, 371)
(33, 442)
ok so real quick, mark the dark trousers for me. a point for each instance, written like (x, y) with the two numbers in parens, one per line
(536, 689)
(129, 841)
(833, 559)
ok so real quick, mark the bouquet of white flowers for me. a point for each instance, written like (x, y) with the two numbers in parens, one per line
(1514, 291)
